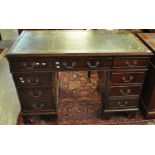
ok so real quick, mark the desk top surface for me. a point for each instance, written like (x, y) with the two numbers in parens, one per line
(149, 39)
(77, 42)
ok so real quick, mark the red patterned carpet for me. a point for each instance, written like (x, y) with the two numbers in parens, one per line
(114, 120)
(80, 103)
(79, 96)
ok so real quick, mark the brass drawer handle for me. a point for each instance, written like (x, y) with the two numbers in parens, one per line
(93, 66)
(127, 80)
(38, 107)
(36, 94)
(131, 65)
(123, 104)
(29, 67)
(67, 66)
(125, 93)
(33, 82)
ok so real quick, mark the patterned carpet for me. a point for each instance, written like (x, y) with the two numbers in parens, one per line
(80, 103)
(114, 120)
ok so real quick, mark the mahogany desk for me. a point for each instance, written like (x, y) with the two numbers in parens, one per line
(37, 56)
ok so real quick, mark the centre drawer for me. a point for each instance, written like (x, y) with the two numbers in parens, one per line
(82, 63)
(39, 106)
(127, 77)
(33, 79)
(122, 104)
(35, 93)
(124, 90)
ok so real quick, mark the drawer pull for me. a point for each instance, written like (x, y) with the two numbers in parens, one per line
(29, 67)
(67, 66)
(57, 63)
(36, 94)
(131, 65)
(57, 66)
(127, 80)
(43, 63)
(93, 66)
(125, 93)
(35, 82)
(38, 107)
(123, 104)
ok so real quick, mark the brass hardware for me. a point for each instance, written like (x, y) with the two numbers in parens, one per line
(29, 67)
(36, 94)
(131, 65)
(123, 104)
(127, 80)
(21, 80)
(93, 66)
(67, 66)
(57, 66)
(43, 63)
(125, 93)
(57, 63)
(37, 63)
(33, 82)
(38, 107)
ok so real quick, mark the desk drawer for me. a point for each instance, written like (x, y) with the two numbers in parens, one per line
(127, 77)
(122, 104)
(39, 106)
(130, 62)
(124, 90)
(35, 93)
(33, 79)
(88, 63)
(29, 64)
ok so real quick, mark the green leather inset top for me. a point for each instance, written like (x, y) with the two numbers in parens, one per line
(76, 42)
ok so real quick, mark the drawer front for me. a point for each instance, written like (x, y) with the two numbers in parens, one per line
(33, 79)
(124, 90)
(29, 64)
(35, 93)
(130, 62)
(89, 63)
(122, 104)
(39, 106)
(127, 77)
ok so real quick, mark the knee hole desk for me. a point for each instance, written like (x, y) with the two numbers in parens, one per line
(37, 57)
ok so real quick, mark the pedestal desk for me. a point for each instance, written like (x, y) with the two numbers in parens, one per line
(148, 93)
(37, 57)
